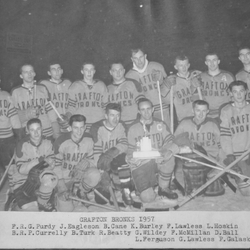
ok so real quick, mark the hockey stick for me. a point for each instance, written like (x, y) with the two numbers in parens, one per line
(243, 177)
(92, 203)
(159, 93)
(114, 198)
(6, 172)
(217, 176)
(57, 113)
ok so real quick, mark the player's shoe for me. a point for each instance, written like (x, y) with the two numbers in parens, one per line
(126, 197)
(167, 193)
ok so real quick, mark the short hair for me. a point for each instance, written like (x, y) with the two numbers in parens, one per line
(135, 51)
(181, 58)
(212, 53)
(200, 102)
(77, 118)
(244, 47)
(143, 99)
(32, 121)
(116, 62)
(237, 83)
(113, 106)
(26, 64)
(87, 63)
(53, 63)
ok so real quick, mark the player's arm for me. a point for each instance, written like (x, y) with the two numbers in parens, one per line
(22, 158)
(225, 132)
(131, 143)
(122, 141)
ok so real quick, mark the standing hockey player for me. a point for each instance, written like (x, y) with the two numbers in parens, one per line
(124, 91)
(244, 74)
(10, 130)
(148, 73)
(234, 128)
(74, 159)
(58, 89)
(87, 96)
(144, 171)
(214, 84)
(31, 101)
(34, 155)
(184, 92)
(110, 149)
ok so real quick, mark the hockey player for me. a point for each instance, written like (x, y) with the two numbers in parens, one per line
(87, 96)
(110, 149)
(234, 128)
(74, 159)
(214, 84)
(34, 154)
(124, 91)
(10, 130)
(58, 89)
(244, 74)
(148, 73)
(184, 92)
(144, 171)
(31, 101)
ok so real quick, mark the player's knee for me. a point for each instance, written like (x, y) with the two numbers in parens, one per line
(148, 195)
(92, 177)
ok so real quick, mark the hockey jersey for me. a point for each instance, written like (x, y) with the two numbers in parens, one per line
(157, 131)
(244, 76)
(149, 83)
(27, 155)
(58, 93)
(235, 129)
(206, 134)
(8, 116)
(105, 138)
(127, 94)
(214, 90)
(88, 100)
(24, 98)
(184, 94)
(68, 153)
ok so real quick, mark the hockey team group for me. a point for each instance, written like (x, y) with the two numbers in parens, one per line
(66, 146)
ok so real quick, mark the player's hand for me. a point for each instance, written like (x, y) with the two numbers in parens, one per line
(64, 122)
(50, 161)
(195, 73)
(196, 81)
(170, 81)
(31, 113)
(156, 75)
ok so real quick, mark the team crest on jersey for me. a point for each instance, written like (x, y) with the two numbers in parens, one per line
(159, 127)
(224, 78)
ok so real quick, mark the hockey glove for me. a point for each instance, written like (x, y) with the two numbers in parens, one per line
(79, 170)
(64, 124)
(56, 130)
(104, 162)
(170, 81)
(196, 81)
(33, 181)
(183, 140)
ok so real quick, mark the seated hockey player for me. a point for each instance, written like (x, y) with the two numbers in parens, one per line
(144, 172)
(110, 149)
(33, 172)
(235, 133)
(204, 132)
(74, 163)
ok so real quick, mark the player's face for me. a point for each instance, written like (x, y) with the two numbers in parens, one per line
(182, 66)
(28, 74)
(244, 56)
(117, 72)
(112, 118)
(200, 113)
(55, 72)
(35, 132)
(88, 71)
(139, 59)
(239, 94)
(146, 111)
(78, 129)
(212, 62)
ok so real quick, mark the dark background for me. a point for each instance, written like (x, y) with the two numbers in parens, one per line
(104, 31)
